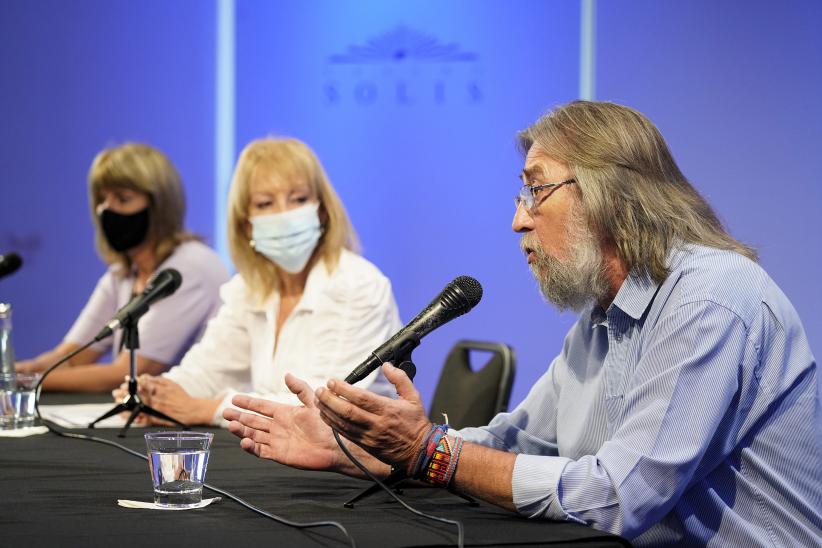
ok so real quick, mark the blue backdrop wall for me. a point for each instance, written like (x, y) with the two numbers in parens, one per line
(413, 109)
(74, 78)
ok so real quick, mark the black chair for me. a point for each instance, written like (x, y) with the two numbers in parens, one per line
(472, 396)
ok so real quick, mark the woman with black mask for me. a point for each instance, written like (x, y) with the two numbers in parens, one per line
(137, 207)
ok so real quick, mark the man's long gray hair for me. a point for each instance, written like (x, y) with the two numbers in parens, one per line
(631, 190)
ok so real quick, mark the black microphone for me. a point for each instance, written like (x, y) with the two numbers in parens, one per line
(9, 263)
(458, 297)
(161, 286)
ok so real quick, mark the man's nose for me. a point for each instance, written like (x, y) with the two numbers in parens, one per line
(523, 221)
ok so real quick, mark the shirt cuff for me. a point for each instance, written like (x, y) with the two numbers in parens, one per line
(535, 486)
(217, 419)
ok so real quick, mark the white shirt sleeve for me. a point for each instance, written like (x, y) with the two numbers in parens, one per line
(221, 358)
(353, 314)
(361, 315)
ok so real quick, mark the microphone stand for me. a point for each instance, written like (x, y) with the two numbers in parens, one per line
(132, 402)
(398, 475)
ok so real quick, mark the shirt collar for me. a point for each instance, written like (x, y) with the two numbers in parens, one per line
(315, 283)
(638, 290)
(314, 286)
(635, 295)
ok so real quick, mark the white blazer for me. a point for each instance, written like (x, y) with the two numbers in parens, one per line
(341, 317)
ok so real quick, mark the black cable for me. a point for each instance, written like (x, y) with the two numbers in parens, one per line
(55, 429)
(375, 479)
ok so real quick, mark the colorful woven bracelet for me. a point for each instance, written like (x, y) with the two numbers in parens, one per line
(455, 457)
(440, 467)
(427, 450)
(417, 465)
(430, 450)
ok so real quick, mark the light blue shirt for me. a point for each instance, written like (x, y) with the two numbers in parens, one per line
(686, 414)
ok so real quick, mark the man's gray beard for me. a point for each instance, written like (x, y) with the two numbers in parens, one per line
(570, 285)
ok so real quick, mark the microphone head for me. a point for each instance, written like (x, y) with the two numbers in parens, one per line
(163, 284)
(166, 282)
(461, 295)
(9, 263)
(469, 287)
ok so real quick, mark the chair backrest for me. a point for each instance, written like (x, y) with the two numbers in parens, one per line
(472, 397)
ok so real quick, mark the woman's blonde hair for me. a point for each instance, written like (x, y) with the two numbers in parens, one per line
(289, 160)
(145, 169)
(631, 190)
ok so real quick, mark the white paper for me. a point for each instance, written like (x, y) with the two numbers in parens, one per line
(79, 416)
(151, 506)
(23, 432)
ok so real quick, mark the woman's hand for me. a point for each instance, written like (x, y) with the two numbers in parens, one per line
(170, 398)
(31, 366)
(121, 393)
(45, 360)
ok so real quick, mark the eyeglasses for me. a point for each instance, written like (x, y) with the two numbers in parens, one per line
(527, 193)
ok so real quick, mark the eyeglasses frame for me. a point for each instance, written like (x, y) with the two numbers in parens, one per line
(527, 191)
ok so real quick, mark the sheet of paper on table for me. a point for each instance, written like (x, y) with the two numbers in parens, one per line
(79, 416)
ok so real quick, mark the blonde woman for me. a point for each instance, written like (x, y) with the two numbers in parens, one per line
(303, 301)
(137, 206)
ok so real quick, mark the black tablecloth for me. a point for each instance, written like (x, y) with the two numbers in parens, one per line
(63, 492)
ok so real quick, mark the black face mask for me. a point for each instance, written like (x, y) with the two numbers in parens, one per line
(124, 232)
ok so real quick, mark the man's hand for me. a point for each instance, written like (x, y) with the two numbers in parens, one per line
(392, 430)
(292, 435)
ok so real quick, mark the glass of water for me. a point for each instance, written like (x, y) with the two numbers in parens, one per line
(177, 462)
(17, 401)
(24, 405)
(8, 400)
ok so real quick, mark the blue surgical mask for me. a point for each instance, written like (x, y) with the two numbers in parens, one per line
(288, 239)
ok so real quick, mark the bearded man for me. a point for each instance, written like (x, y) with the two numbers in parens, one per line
(683, 408)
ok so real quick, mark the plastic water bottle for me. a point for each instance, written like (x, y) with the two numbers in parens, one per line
(8, 377)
